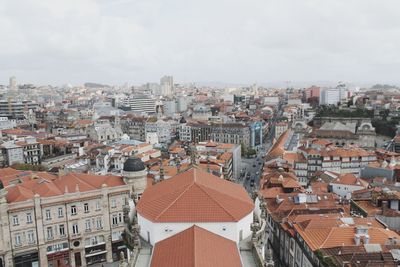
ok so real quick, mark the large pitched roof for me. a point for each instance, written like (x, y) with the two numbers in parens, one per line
(196, 247)
(23, 185)
(277, 150)
(327, 231)
(350, 179)
(195, 196)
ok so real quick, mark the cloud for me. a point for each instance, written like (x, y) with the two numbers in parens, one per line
(119, 41)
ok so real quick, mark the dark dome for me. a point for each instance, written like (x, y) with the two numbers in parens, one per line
(133, 165)
(182, 120)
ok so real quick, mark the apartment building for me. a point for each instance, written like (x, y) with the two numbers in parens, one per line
(249, 134)
(280, 128)
(229, 155)
(104, 131)
(339, 160)
(134, 127)
(140, 104)
(16, 109)
(68, 220)
(23, 150)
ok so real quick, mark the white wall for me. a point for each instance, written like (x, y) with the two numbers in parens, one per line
(394, 204)
(160, 231)
(343, 190)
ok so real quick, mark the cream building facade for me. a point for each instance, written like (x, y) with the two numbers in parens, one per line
(70, 220)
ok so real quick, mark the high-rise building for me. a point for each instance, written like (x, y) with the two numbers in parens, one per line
(13, 83)
(330, 97)
(141, 104)
(182, 104)
(154, 88)
(16, 109)
(167, 85)
(170, 107)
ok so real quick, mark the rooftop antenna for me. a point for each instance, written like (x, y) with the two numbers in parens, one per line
(208, 162)
(193, 155)
(161, 170)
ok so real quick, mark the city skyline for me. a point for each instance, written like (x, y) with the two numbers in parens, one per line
(240, 43)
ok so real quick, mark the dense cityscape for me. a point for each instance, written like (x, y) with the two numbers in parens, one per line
(212, 133)
(166, 174)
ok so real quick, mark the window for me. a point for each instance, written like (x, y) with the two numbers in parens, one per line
(48, 215)
(61, 230)
(87, 225)
(115, 219)
(49, 233)
(98, 205)
(99, 223)
(31, 237)
(86, 207)
(120, 217)
(116, 236)
(75, 229)
(15, 220)
(113, 203)
(95, 240)
(60, 213)
(57, 247)
(17, 240)
(29, 218)
(73, 210)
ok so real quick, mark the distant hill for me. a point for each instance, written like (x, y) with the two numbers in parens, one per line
(384, 86)
(95, 85)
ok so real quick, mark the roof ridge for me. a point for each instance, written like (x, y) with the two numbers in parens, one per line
(219, 204)
(326, 239)
(176, 199)
(223, 192)
(194, 246)
(78, 178)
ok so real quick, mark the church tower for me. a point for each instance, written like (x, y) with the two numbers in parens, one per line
(135, 175)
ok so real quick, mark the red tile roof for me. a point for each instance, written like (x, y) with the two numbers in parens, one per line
(332, 230)
(196, 247)
(350, 179)
(195, 196)
(277, 150)
(48, 185)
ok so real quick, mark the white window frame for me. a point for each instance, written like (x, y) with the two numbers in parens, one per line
(61, 229)
(113, 203)
(15, 220)
(87, 225)
(75, 229)
(49, 233)
(73, 210)
(31, 237)
(60, 212)
(29, 217)
(86, 207)
(18, 240)
(48, 215)
(99, 223)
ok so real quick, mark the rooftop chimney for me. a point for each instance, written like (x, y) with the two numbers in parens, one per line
(366, 239)
(357, 239)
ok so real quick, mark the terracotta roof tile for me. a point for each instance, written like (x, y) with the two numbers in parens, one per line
(350, 179)
(196, 247)
(48, 185)
(195, 196)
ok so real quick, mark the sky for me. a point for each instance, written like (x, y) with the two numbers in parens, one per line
(246, 41)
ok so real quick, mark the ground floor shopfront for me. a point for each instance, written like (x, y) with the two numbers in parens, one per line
(28, 259)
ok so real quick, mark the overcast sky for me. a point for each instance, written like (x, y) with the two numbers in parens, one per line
(246, 41)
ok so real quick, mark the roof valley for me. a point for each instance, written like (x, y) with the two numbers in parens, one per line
(173, 202)
(219, 204)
